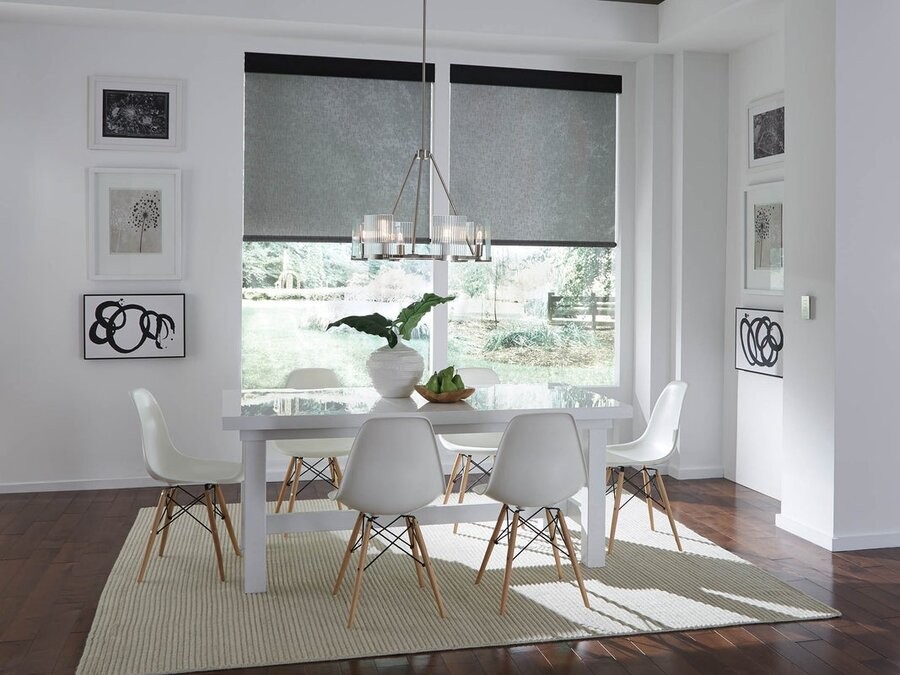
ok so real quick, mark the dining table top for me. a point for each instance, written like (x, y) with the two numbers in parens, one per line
(258, 409)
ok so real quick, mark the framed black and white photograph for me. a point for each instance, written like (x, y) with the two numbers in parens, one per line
(764, 238)
(134, 224)
(134, 326)
(132, 113)
(759, 341)
(766, 131)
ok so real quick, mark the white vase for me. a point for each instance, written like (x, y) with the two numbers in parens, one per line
(395, 372)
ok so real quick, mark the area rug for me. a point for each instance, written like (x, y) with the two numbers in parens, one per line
(182, 618)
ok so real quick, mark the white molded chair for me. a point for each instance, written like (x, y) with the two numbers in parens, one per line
(166, 464)
(316, 450)
(470, 448)
(539, 464)
(648, 452)
(394, 468)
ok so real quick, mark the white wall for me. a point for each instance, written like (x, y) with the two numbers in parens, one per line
(867, 285)
(69, 422)
(652, 234)
(808, 466)
(752, 428)
(699, 187)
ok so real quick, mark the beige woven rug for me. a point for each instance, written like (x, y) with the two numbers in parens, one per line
(182, 618)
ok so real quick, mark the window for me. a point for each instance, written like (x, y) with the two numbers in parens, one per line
(537, 314)
(532, 152)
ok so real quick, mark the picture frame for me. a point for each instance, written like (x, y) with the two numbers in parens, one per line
(765, 132)
(763, 238)
(759, 341)
(129, 326)
(134, 224)
(135, 113)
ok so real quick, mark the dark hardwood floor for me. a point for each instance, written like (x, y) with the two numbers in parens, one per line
(56, 550)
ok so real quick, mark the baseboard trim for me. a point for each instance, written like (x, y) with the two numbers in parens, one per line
(272, 475)
(806, 532)
(696, 472)
(858, 542)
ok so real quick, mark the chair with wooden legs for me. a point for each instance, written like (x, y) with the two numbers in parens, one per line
(643, 457)
(312, 456)
(166, 464)
(539, 464)
(471, 449)
(394, 469)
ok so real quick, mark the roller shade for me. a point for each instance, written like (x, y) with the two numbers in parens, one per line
(325, 141)
(533, 153)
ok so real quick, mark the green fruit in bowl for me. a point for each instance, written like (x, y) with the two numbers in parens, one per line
(444, 381)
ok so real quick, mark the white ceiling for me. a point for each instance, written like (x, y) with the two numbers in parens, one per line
(589, 28)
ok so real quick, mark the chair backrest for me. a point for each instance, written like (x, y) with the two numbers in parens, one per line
(394, 467)
(312, 378)
(539, 461)
(662, 429)
(161, 458)
(478, 377)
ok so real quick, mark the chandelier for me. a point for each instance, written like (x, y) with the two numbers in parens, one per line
(452, 237)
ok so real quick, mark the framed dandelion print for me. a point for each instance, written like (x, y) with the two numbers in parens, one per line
(764, 238)
(134, 224)
(132, 113)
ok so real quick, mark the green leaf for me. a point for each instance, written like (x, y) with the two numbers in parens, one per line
(412, 314)
(373, 324)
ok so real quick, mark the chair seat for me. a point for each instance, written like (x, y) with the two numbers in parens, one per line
(479, 444)
(634, 454)
(315, 448)
(201, 471)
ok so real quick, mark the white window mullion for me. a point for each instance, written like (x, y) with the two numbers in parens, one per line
(440, 146)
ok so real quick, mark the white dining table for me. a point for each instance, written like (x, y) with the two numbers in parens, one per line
(264, 415)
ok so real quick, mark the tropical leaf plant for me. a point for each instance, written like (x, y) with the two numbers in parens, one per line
(393, 329)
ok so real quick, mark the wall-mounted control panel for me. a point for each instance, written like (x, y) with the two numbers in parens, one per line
(806, 307)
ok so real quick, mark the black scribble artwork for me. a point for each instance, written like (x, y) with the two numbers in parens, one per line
(135, 114)
(112, 318)
(768, 133)
(761, 341)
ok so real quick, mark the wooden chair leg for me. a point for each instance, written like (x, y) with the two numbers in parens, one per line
(295, 488)
(620, 479)
(463, 484)
(229, 526)
(665, 500)
(414, 547)
(428, 569)
(360, 568)
(510, 553)
(214, 531)
(335, 479)
(551, 526)
(647, 498)
(567, 538)
(347, 552)
(608, 474)
(452, 478)
(284, 484)
(154, 525)
(490, 547)
(170, 505)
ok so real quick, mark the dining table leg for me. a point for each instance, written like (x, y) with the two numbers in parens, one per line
(253, 516)
(593, 518)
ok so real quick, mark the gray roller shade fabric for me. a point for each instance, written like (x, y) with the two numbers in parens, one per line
(320, 152)
(537, 165)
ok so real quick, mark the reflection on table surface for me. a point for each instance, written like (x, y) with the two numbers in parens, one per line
(365, 400)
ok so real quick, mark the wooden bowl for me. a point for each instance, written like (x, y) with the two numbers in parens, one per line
(446, 397)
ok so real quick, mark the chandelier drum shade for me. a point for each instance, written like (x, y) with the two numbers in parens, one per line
(452, 237)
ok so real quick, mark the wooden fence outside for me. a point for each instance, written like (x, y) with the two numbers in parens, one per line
(599, 312)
